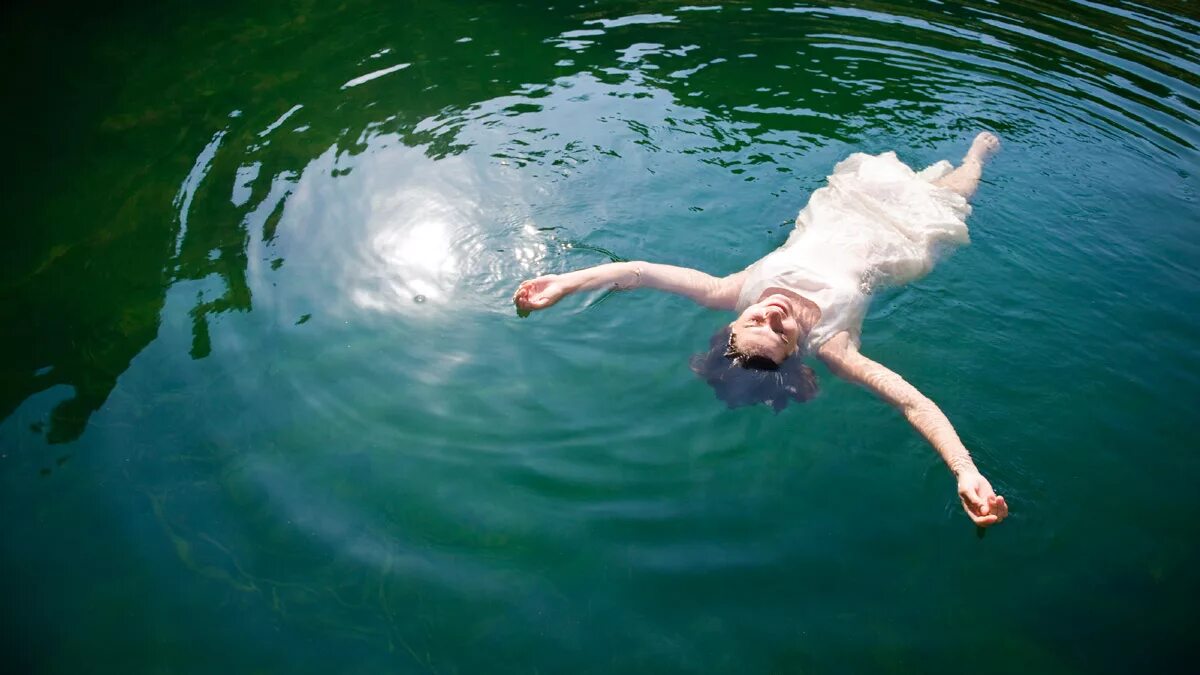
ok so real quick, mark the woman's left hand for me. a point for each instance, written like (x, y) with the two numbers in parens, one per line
(979, 500)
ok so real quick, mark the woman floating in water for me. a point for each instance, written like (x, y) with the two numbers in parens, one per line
(877, 222)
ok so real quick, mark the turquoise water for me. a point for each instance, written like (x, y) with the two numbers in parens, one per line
(267, 407)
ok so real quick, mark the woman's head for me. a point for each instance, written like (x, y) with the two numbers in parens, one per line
(740, 377)
(768, 329)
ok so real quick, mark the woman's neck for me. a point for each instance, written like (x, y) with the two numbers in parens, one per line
(807, 313)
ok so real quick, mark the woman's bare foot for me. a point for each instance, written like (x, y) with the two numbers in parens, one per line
(965, 179)
(985, 145)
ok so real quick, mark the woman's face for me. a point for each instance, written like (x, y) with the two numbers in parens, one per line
(768, 328)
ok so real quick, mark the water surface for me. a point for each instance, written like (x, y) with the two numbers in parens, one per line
(266, 405)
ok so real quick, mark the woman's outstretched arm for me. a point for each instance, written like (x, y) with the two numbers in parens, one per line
(979, 500)
(705, 289)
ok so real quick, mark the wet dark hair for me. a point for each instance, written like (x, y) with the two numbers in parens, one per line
(741, 379)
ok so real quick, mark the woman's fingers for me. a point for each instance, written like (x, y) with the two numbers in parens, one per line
(999, 511)
(521, 295)
(980, 501)
(984, 521)
(993, 502)
(533, 294)
(536, 293)
(1000, 507)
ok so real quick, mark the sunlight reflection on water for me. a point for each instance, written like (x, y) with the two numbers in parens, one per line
(413, 244)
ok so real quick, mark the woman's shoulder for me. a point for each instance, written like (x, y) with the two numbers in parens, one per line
(835, 347)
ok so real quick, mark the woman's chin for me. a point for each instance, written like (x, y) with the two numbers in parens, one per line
(780, 301)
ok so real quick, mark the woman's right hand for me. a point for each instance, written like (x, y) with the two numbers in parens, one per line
(540, 293)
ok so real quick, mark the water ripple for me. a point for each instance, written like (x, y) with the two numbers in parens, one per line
(327, 361)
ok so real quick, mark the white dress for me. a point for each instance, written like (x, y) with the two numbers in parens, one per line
(877, 222)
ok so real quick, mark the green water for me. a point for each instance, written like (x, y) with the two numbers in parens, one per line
(267, 408)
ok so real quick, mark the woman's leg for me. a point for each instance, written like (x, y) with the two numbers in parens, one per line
(965, 179)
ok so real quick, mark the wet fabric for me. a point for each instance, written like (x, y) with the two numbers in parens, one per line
(876, 223)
